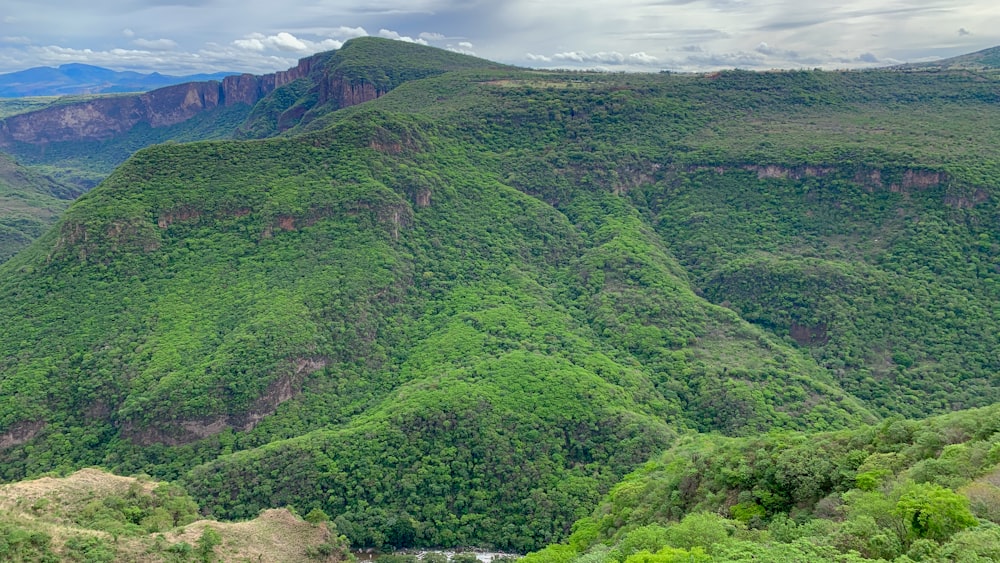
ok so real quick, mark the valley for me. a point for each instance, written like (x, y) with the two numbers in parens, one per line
(594, 316)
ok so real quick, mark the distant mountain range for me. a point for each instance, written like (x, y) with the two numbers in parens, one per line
(987, 59)
(77, 78)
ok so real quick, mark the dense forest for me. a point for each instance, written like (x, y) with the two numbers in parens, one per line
(718, 308)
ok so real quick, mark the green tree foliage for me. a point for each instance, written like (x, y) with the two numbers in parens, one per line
(676, 501)
(460, 313)
(20, 545)
(88, 549)
(933, 512)
(205, 548)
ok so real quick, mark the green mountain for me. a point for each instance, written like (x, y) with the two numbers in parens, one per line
(459, 312)
(79, 140)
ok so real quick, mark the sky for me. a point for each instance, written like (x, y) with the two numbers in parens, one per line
(194, 36)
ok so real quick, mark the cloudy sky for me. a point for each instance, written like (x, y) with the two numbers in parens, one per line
(188, 36)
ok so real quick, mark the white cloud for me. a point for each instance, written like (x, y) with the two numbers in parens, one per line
(286, 42)
(642, 58)
(464, 48)
(252, 43)
(389, 34)
(15, 40)
(344, 32)
(128, 32)
(613, 58)
(155, 44)
(427, 36)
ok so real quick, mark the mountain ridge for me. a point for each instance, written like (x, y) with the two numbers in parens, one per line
(357, 75)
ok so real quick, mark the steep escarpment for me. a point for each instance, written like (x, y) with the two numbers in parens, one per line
(103, 118)
(362, 70)
(85, 140)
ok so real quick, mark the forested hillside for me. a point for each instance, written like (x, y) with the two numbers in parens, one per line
(77, 141)
(900, 491)
(460, 312)
(29, 204)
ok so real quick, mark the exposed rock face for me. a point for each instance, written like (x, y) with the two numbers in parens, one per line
(104, 118)
(20, 433)
(347, 94)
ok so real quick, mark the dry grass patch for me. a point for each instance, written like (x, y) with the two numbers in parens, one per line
(52, 506)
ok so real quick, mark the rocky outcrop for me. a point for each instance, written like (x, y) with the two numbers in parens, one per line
(104, 118)
(20, 433)
(345, 93)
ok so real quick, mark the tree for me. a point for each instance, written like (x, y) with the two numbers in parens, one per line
(933, 512)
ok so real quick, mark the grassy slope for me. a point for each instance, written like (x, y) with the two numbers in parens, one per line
(504, 275)
(92, 515)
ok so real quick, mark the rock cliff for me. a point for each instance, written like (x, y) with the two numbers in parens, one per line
(103, 118)
(360, 71)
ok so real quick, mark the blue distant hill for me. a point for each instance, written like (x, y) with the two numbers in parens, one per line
(88, 79)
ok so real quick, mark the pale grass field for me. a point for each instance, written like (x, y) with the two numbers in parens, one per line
(46, 505)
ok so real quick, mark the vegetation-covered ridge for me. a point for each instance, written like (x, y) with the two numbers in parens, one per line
(900, 491)
(460, 312)
(363, 69)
